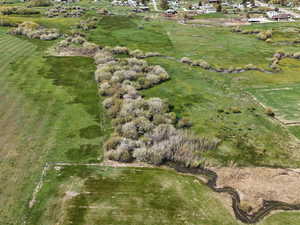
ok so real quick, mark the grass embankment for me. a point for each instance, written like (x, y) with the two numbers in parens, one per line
(50, 111)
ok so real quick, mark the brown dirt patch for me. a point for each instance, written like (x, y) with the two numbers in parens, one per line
(257, 184)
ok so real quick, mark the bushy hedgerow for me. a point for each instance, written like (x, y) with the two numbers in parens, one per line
(88, 24)
(201, 63)
(144, 128)
(264, 35)
(70, 11)
(186, 60)
(137, 53)
(40, 3)
(76, 44)
(120, 50)
(6, 22)
(18, 10)
(33, 30)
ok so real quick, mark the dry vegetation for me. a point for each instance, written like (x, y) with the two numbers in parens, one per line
(257, 184)
(33, 30)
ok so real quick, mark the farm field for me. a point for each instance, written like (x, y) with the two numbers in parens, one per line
(55, 127)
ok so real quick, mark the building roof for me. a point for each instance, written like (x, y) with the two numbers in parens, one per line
(282, 16)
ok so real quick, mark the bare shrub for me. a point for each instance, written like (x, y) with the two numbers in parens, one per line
(102, 57)
(119, 155)
(296, 55)
(157, 106)
(112, 143)
(270, 112)
(120, 50)
(201, 63)
(78, 40)
(186, 60)
(152, 54)
(129, 130)
(137, 53)
(184, 123)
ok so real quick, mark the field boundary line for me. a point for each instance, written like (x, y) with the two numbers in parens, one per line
(281, 121)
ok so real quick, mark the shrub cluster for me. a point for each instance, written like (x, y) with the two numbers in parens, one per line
(205, 65)
(261, 35)
(140, 54)
(76, 44)
(7, 22)
(90, 23)
(264, 35)
(18, 11)
(33, 30)
(144, 128)
(65, 11)
(40, 3)
(279, 55)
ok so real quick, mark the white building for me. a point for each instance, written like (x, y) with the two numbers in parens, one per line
(271, 14)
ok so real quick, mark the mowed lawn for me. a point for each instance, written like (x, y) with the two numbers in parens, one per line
(284, 100)
(49, 111)
(133, 196)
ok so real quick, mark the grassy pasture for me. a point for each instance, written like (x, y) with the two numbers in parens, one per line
(127, 196)
(208, 100)
(283, 99)
(200, 95)
(56, 116)
(50, 111)
(104, 195)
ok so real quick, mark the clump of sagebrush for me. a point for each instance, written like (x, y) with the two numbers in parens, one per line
(40, 3)
(186, 60)
(264, 35)
(120, 50)
(200, 63)
(18, 10)
(270, 112)
(88, 24)
(137, 53)
(144, 129)
(76, 44)
(6, 22)
(33, 30)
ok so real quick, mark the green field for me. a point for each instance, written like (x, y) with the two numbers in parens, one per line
(50, 112)
(133, 196)
(283, 99)
(46, 118)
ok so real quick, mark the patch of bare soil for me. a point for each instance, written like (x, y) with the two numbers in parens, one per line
(257, 184)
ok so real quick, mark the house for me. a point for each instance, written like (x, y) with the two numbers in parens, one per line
(254, 20)
(271, 14)
(210, 10)
(282, 16)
